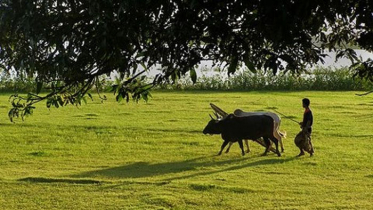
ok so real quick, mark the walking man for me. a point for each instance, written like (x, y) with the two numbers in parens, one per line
(303, 139)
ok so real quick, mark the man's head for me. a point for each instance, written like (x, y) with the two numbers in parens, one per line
(306, 102)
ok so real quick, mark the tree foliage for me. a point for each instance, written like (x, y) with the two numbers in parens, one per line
(68, 44)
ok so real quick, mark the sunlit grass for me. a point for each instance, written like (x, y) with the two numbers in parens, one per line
(153, 155)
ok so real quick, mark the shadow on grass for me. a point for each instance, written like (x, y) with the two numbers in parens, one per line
(233, 168)
(191, 167)
(52, 180)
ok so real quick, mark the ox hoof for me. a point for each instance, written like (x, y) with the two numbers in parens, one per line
(300, 154)
(264, 154)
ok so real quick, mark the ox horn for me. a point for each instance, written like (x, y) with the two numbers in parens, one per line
(212, 117)
(218, 110)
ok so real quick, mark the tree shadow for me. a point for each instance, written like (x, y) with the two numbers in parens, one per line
(131, 128)
(233, 168)
(53, 180)
(144, 169)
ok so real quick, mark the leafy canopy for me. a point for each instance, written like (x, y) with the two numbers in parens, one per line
(68, 44)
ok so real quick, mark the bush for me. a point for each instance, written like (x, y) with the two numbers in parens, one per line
(16, 84)
(216, 79)
(318, 79)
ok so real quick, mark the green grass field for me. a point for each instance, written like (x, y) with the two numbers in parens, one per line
(154, 156)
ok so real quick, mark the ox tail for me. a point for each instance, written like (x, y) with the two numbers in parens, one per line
(282, 134)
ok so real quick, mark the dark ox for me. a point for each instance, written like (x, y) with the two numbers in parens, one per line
(233, 128)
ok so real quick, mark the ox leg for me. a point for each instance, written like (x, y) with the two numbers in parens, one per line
(241, 146)
(312, 151)
(282, 145)
(274, 140)
(222, 146)
(247, 145)
(301, 153)
(229, 147)
(268, 145)
(279, 137)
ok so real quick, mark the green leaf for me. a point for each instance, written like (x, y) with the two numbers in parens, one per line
(193, 75)
(115, 88)
(55, 103)
(250, 65)
(127, 96)
(144, 66)
(119, 98)
(49, 103)
(84, 100)
(174, 77)
(134, 70)
(233, 66)
(39, 85)
(90, 96)
(60, 101)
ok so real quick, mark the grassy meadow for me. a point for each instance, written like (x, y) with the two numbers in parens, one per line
(154, 156)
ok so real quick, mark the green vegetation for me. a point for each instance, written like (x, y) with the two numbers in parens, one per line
(68, 45)
(154, 155)
(320, 78)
